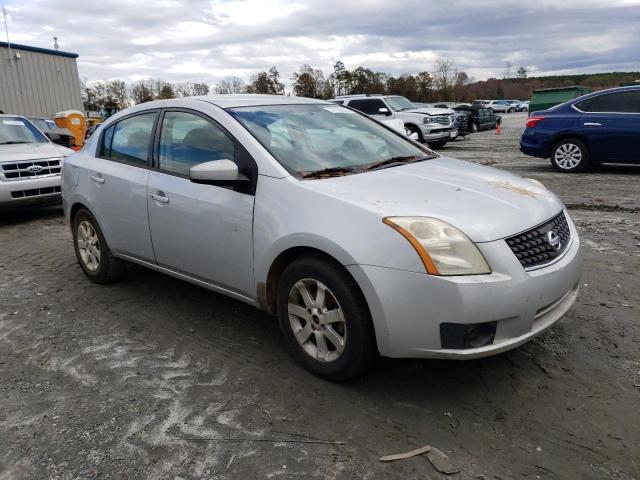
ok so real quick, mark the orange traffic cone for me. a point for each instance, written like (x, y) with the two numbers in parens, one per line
(498, 129)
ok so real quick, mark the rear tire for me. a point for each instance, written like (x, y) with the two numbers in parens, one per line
(570, 155)
(324, 319)
(92, 252)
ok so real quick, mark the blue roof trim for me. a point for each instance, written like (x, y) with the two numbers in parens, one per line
(17, 46)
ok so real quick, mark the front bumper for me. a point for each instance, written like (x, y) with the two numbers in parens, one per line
(408, 308)
(432, 133)
(30, 192)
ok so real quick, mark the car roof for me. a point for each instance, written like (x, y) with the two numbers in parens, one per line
(248, 100)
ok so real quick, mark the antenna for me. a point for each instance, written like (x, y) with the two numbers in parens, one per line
(55, 43)
(4, 14)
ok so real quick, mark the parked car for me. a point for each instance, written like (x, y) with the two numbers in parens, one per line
(502, 106)
(460, 119)
(479, 118)
(58, 135)
(513, 106)
(434, 126)
(523, 106)
(30, 165)
(360, 240)
(602, 127)
(481, 103)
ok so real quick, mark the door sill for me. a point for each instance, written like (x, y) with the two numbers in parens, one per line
(195, 280)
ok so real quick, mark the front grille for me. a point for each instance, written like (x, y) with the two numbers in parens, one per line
(30, 169)
(35, 192)
(534, 248)
(442, 119)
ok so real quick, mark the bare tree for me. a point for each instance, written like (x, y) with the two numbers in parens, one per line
(445, 73)
(230, 85)
(506, 72)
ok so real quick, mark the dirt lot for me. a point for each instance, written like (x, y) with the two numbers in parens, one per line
(155, 378)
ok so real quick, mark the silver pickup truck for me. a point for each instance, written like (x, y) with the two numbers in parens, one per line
(434, 126)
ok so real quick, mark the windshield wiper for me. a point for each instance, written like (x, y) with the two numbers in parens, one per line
(393, 161)
(328, 172)
(12, 142)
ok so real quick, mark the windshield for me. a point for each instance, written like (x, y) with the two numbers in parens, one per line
(318, 138)
(18, 130)
(400, 104)
(43, 124)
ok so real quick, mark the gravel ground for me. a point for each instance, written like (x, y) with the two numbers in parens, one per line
(155, 378)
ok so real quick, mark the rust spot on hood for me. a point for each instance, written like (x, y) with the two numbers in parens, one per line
(517, 189)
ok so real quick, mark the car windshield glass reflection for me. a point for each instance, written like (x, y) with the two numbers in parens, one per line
(325, 138)
(15, 130)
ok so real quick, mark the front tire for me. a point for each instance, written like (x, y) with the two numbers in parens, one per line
(570, 155)
(92, 252)
(439, 144)
(413, 129)
(474, 127)
(324, 319)
(512, 110)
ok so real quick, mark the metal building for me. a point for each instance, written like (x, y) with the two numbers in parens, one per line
(38, 82)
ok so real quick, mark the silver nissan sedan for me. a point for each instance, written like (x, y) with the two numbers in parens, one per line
(362, 241)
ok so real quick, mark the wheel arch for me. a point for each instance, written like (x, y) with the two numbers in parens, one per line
(412, 124)
(564, 136)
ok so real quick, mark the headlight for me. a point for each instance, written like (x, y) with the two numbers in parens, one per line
(537, 182)
(426, 119)
(443, 249)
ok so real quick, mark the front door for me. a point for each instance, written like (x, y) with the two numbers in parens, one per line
(117, 187)
(204, 231)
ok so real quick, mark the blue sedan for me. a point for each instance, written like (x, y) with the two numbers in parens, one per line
(602, 127)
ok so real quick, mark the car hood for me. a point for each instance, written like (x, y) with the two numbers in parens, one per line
(485, 203)
(32, 151)
(432, 111)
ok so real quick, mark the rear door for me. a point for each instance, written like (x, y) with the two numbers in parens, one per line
(611, 123)
(118, 177)
(204, 231)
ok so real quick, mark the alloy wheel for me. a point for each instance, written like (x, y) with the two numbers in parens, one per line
(317, 320)
(88, 245)
(568, 156)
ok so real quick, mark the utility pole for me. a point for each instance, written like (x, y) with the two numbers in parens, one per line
(6, 28)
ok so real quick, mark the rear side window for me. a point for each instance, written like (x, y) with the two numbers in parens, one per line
(129, 139)
(370, 107)
(620, 102)
(187, 139)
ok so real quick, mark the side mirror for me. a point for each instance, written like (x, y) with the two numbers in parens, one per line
(384, 111)
(217, 172)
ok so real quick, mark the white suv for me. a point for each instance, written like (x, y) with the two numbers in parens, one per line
(30, 165)
(434, 126)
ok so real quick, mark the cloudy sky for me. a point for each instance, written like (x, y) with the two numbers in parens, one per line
(201, 40)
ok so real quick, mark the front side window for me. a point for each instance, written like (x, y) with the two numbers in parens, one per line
(15, 130)
(620, 102)
(313, 138)
(187, 140)
(129, 139)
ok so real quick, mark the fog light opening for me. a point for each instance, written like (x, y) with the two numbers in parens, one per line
(460, 336)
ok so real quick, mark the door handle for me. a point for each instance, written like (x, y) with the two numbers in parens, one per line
(97, 179)
(159, 198)
(592, 124)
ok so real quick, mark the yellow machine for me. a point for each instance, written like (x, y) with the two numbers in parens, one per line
(75, 121)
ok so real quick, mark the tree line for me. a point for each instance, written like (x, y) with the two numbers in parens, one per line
(445, 83)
